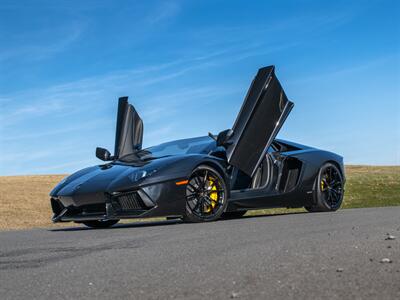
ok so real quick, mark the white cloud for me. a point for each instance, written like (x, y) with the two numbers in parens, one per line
(42, 49)
(163, 11)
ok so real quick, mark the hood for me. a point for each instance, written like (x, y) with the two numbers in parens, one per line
(119, 176)
(104, 178)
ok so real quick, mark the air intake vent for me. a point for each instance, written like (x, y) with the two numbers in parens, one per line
(129, 201)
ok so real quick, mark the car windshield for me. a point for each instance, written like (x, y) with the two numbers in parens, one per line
(200, 145)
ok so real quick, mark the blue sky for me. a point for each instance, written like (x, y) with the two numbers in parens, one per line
(186, 66)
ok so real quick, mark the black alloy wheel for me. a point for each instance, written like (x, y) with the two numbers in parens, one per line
(329, 189)
(206, 195)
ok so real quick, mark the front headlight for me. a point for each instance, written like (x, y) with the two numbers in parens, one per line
(140, 174)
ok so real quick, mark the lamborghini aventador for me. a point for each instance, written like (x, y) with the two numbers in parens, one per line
(204, 178)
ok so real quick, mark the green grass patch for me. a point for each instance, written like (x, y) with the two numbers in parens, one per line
(372, 186)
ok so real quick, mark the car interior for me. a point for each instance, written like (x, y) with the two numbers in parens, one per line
(285, 171)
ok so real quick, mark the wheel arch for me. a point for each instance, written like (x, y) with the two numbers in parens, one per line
(221, 170)
(321, 164)
(338, 165)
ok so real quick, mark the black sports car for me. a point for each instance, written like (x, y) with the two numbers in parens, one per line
(204, 178)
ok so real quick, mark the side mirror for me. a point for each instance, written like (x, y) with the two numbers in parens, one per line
(223, 137)
(103, 154)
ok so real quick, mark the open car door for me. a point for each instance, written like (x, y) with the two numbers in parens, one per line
(261, 116)
(129, 132)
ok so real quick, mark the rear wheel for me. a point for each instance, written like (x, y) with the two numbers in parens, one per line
(328, 191)
(206, 195)
(100, 223)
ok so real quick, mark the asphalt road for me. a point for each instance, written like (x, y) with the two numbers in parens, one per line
(310, 256)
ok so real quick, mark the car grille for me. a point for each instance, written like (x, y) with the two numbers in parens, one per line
(129, 201)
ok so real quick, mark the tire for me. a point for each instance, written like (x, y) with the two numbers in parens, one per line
(328, 189)
(100, 224)
(206, 195)
(233, 214)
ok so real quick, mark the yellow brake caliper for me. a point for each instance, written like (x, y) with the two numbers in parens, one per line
(322, 185)
(213, 196)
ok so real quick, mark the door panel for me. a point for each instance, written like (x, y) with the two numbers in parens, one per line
(129, 132)
(263, 112)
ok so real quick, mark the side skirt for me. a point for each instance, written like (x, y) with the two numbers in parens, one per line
(253, 201)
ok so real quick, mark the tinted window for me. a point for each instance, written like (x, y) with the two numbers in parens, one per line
(201, 145)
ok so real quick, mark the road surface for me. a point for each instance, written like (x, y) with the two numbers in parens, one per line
(302, 256)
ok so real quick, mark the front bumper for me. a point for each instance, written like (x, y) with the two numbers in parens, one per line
(163, 199)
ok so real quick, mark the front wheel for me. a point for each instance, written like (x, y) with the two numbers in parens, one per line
(100, 223)
(206, 195)
(329, 189)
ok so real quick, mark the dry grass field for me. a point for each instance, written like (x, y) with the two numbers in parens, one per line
(24, 200)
